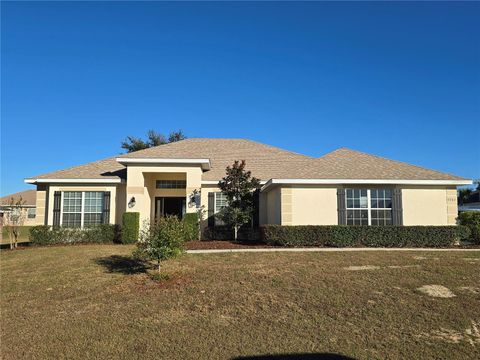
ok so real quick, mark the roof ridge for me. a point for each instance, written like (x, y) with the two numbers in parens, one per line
(278, 148)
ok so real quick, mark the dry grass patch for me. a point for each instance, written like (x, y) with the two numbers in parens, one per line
(93, 302)
(438, 291)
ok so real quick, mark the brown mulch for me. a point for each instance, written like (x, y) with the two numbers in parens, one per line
(224, 244)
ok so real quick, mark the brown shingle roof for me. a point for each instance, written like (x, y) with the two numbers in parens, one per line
(262, 160)
(265, 162)
(29, 197)
(344, 163)
(102, 169)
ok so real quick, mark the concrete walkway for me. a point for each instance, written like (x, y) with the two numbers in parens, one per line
(219, 251)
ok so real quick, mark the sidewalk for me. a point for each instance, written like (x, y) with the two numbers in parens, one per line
(215, 251)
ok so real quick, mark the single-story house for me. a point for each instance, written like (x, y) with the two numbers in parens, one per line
(27, 208)
(341, 187)
(472, 203)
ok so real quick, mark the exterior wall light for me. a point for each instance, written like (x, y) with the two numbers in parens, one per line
(132, 202)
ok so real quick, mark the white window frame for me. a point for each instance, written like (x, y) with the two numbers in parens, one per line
(369, 204)
(215, 211)
(34, 213)
(82, 211)
(218, 222)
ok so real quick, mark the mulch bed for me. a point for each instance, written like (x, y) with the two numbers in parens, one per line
(224, 244)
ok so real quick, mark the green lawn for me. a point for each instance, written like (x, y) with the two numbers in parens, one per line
(94, 302)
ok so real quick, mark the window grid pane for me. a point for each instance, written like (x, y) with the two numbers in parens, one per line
(73, 220)
(171, 184)
(220, 201)
(72, 208)
(72, 201)
(359, 210)
(93, 202)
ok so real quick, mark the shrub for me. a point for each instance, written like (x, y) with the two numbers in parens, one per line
(40, 235)
(471, 219)
(191, 226)
(370, 236)
(162, 240)
(99, 234)
(130, 227)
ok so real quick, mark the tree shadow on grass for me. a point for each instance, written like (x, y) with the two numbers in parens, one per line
(126, 265)
(306, 356)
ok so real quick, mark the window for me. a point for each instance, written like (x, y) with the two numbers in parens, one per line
(81, 209)
(220, 204)
(171, 184)
(220, 201)
(93, 209)
(369, 206)
(31, 213)
(72, 209)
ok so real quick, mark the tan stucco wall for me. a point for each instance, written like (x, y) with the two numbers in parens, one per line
(314, 205)
(429, 205)
(41, 204)
(317, 205)
(452, 206)
(141, 184)
(120, 203)
(114, 204)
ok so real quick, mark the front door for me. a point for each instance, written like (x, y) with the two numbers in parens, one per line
(174, 206)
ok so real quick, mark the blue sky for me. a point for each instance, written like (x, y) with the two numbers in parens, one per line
(400, 80)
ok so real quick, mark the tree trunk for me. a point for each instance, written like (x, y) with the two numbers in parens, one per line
(159, 266)
(235, 230)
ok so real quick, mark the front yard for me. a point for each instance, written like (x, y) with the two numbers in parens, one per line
(93, 301)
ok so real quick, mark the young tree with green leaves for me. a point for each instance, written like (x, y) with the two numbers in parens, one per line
(162, 240)
(132, 143)
(14, 219)
(239, 186)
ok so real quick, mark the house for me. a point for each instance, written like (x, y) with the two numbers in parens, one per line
(342, 187)
(472, 203)
(28, 207)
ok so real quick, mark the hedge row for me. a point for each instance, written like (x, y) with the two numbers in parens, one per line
(368, 236)
(100, 234)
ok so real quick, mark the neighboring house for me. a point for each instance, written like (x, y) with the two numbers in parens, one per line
(342, 187)
(28, 206)
(472, 203)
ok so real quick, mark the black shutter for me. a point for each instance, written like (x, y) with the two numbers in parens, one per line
(106, 207)
(57, 200)
(342, 213)
(256, 209)
(397, 208)
(211, 209)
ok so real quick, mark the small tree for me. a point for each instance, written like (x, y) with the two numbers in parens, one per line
(238, 185)
(176, 136)
(132, 143)
(14, 219)
(162, 240)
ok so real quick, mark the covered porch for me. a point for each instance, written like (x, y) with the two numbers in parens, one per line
(157, 189)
